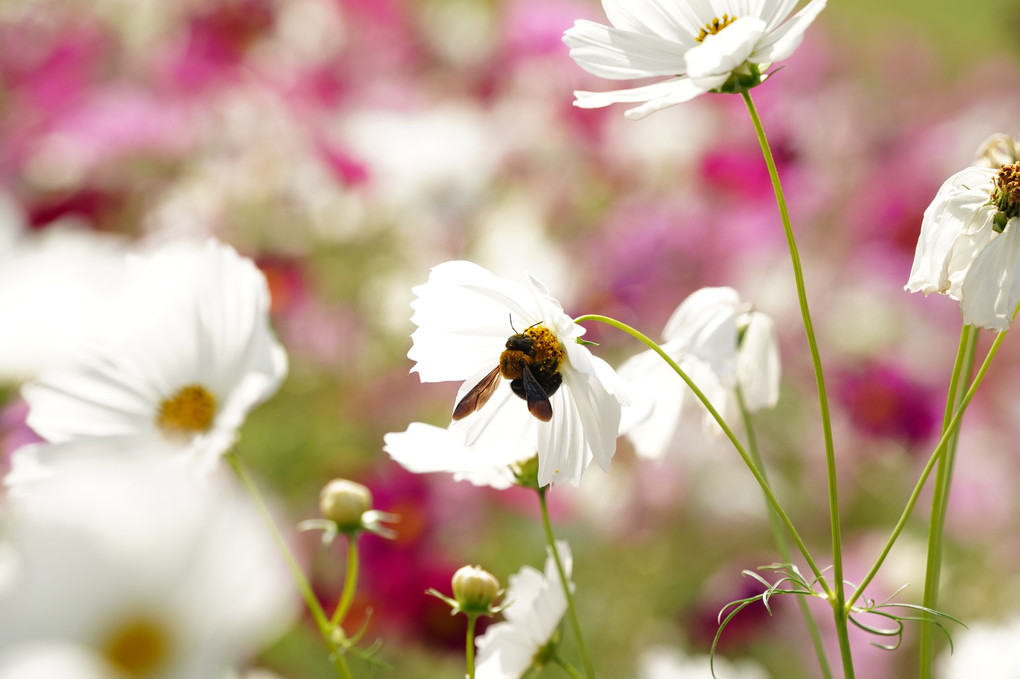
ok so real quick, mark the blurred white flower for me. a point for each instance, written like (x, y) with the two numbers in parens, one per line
(969, 247)
(137, 571)
(424, 449)
(536, 604)
(465, 316)
(722, 344)
(192, 355)
(670, 663)
(55, 288)
(986, 650)
(703, 46)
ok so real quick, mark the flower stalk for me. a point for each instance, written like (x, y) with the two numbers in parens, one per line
(780, 537)
(940, 496)
(700, 395)
(350, 582)
(840, 609)
(947, 435)
(589, 668)
(304, 587)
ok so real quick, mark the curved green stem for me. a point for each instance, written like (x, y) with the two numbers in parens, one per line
(589, 669)
(940, 448)
(940, 495)
(780, 537)
(567, 667)
(350, 583)
(762, 481)
(469, 650)
(839, 605)
(304, 587)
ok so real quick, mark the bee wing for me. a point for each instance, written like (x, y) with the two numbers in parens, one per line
(478, 396)
(538, 400)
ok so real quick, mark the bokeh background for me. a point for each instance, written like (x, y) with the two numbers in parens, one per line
(349, 145)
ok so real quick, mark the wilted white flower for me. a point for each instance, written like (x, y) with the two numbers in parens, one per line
(136, 570)
(194, 353)
(529, 386)
(536, 604)
(722, 344)
(702, 45)
(670, 663)
(969, 247)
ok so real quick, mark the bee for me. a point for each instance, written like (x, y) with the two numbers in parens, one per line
(531, 360)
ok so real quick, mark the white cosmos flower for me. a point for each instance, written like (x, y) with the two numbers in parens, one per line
(702, 45)
(969, 247)
(137, 571)
(536, 604)
(721, 343)
(465, 315)
(193, 354)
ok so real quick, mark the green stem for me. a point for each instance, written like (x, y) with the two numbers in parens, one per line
(780, 537)
(589, 669)
(567, 667)
(940, 495)
(942, 445)
(839, 604)
(350, 583)
(304, 587)
(762, 481)
(469, 650)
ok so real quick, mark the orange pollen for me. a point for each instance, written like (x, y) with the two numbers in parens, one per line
(714, 26)
(1007, 190)
(139, 647)
(189, 411)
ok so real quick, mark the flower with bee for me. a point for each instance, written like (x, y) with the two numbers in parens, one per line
(529, 387)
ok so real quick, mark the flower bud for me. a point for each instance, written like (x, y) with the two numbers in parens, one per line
(474, 589)
(344, 502)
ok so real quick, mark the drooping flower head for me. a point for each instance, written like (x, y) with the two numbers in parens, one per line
(969, 247)
(536, 604)
(722, 344)
(194, 353)
(703, 45)
(529, 386)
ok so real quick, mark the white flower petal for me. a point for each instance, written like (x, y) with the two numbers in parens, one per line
(991, 289)
(669, 20)
(723, 52)
(758, 363)
(658, 95)
(781, 42)
(957, 212)
(706, 325)
(656, 403)
(424, 449)
(622, 55)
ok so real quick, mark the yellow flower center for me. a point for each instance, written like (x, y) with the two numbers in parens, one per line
(139, 647)
(189, 411)
(1007, 190)
(714, 26)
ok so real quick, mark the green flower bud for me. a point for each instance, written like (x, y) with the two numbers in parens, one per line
(475, 589)
(345, 503)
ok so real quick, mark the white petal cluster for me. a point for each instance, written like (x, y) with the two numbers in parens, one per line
(659, 38)
(960, 253)
(537, 603)
(722, 344)
(134, 569)
(196, 316)
(464, 316)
